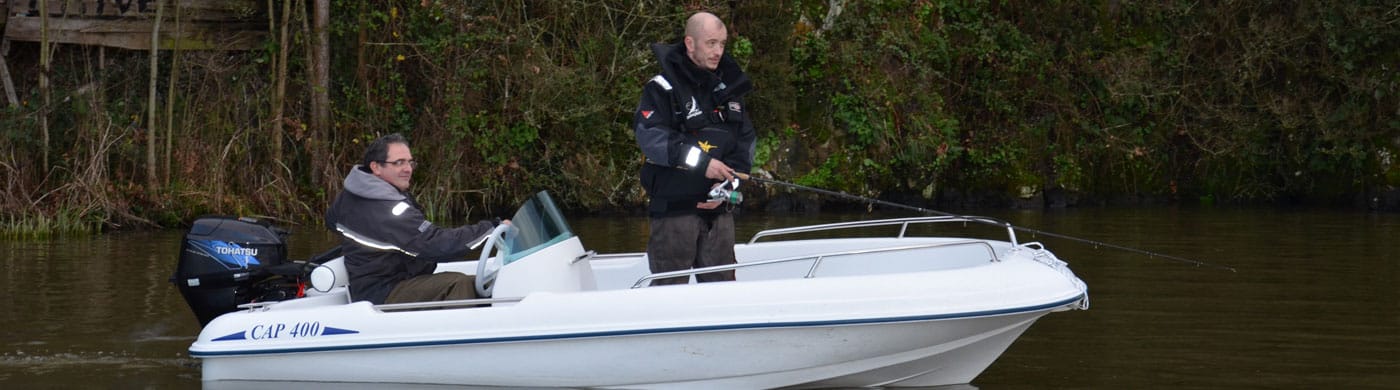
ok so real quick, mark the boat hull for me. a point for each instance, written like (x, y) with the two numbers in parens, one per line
(892, 312)
(914, 329)
(871, 352)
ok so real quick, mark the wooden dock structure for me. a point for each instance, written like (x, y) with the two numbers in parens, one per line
(159, 25)
(128, 24)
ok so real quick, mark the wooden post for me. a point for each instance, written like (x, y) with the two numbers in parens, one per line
(5, 73)
(4, 51)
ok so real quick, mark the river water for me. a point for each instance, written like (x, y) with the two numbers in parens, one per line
(1313, 301)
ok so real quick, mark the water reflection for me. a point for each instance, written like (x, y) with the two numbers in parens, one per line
(1314, 302)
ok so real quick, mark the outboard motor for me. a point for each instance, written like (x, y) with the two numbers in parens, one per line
(227, 261)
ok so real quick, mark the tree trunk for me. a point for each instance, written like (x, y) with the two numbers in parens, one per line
(170, 94)
(151, 179)
(279, 97)
(361, 73)
(321, 86)
(44, 61)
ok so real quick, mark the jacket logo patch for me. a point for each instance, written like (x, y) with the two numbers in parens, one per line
(704, 145)
(691, 109)
(646, 114)
(734, 106)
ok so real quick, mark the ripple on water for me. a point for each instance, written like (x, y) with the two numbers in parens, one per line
(47, 361)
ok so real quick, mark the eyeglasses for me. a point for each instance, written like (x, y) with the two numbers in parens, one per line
(400, 163)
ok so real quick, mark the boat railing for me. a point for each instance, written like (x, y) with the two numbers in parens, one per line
(816, 260)
(600, 256)
(444, 304)
(902, 222)
(406, 306)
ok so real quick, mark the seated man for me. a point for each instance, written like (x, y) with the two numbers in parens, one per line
(390, 248)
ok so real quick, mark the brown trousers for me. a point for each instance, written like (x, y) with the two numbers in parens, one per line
(691, 241)
(442, 286)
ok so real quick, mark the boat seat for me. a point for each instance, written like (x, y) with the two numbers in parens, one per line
(329, 278)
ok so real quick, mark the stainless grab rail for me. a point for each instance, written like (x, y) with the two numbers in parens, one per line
(811, 271)
(904, 222)
(405, 306)
(443, 304)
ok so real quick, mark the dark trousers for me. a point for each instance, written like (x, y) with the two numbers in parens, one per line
(443, 286)
(691, 241)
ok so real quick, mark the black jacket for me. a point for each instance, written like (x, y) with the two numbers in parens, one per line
(386, 237)
(685, 107)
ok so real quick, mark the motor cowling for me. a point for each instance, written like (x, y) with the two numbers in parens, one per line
(226, 262)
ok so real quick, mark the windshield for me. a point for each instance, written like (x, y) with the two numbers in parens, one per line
(538, 224)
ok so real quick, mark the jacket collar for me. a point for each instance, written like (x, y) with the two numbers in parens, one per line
(367, 185)
(678, 68)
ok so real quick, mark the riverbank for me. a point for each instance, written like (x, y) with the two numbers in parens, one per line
(937, 104)
(766, 200)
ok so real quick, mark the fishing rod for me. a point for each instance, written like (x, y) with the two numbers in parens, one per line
(989, 221)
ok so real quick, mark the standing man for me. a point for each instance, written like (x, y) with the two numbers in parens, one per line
(692, 128)
(390, 249)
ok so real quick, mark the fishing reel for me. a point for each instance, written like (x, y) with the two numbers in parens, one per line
(727, 192)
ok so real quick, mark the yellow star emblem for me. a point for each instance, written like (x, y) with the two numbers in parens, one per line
(706, 146)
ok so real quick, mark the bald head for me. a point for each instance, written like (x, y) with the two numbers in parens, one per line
(701, 21)
(705, 37)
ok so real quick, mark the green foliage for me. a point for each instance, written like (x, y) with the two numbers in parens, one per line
(1225, 102)
(856, 119)
(767, 146)
(741, 48)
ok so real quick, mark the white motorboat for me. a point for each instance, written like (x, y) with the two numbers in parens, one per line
(897, 310)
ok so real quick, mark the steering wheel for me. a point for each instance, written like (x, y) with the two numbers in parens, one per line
(485, 282)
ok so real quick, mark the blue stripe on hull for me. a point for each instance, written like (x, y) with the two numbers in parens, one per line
(645, 331)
